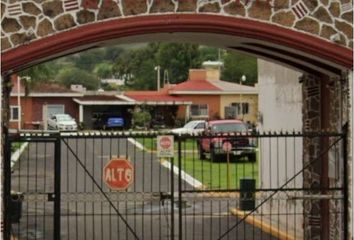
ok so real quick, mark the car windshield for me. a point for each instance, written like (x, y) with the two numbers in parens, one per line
(229, 127)
(190, 124)
(64, 118)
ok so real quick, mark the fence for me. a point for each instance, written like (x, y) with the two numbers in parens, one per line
(235, 186)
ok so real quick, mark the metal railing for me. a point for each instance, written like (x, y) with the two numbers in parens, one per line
(195, 195)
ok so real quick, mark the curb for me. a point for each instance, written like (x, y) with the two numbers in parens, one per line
(265, 227)
(16, 155)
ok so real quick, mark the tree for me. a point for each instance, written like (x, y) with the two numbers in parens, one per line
(71, 75)
(112, 53)
(141, 117)
(136, 67)
(88, 59)
(178, 58)
(236, 65)
(37, 74)
(103, 70)
(208, 53)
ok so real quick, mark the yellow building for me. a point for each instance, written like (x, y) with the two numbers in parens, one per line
(249, 106)
(212, 98)
(236, 100)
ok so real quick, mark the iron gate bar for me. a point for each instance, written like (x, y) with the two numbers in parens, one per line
(281, 187)
(7, 187)
(179, 189)
(57, 188)
(345, 180)
(101, 190)
(262, 190)
(172, 175)
(119, 134)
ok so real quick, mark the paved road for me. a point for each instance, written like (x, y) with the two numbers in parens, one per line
(139, 212)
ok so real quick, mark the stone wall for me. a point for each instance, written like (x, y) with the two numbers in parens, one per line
(23, 21)
(325, 108)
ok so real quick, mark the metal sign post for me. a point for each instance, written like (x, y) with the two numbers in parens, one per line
(227, 147)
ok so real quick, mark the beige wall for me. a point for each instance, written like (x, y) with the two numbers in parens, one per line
(252, 99)
(212, 74)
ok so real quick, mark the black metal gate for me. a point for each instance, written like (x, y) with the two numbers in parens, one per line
(56, 189)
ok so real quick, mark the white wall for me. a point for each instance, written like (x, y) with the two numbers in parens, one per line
(280, 108)
(280, 97)
(280, 105)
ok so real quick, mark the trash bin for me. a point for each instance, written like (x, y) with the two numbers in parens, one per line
(247, 194)
(16, 206)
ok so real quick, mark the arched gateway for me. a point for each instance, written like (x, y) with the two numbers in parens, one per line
(314, 37)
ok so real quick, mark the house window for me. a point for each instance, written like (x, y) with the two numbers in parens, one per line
(14, 113)
(245, 107)
(199, 110)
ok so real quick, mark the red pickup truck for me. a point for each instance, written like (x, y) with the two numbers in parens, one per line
(226, 135)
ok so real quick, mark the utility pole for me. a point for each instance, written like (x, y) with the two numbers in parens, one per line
(158, 69)
(166, 80)
(19, 109)
(243, 79)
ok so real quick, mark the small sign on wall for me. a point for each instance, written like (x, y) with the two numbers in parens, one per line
(165, 146)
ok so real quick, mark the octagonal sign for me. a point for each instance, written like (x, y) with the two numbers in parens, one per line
(118, 174)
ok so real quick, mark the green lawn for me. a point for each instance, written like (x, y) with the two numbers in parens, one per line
(214, 175)
(15, 146)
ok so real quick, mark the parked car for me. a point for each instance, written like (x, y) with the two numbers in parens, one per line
(196, 126)
(157, 123)
(108, 121)
(63, 122)
(114, 122)
(215, 145)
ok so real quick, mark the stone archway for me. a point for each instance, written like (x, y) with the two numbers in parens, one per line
(302, 51)
(312, 36)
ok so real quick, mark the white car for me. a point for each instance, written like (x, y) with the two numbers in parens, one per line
(62, 122)
(192, 127)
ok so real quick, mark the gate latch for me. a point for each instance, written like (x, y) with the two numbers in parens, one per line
(164, 196)
(51, 197)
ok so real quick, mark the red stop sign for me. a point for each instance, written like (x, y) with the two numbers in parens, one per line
(165, 142)
(118, 174)
(227, 146)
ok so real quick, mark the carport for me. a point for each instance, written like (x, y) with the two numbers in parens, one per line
(120, 105)
(107, 104)
(166, 108)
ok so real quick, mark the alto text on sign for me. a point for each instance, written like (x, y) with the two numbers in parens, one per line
(118, 174)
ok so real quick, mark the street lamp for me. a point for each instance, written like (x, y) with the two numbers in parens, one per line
(243, 79)
(158, 69)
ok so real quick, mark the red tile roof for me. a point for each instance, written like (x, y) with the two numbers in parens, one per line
(51, 88)
(99, 98)
(195, 85)
(43, 88)
(152, 96)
